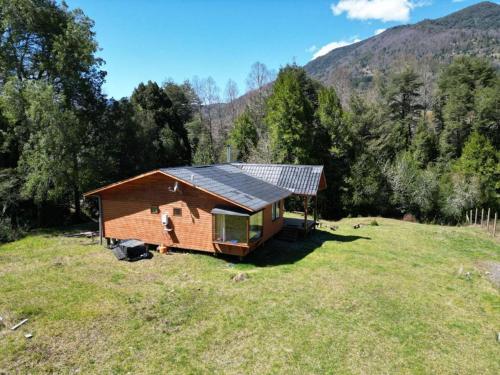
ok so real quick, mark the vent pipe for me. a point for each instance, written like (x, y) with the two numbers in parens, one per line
(228, 149)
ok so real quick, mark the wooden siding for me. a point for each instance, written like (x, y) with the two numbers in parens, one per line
(126, 214)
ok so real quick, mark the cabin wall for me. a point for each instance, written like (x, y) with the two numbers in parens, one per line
(126, 214)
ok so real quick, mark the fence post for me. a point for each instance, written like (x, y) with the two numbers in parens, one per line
(482, 216)
(495, 225)
(475, 218)
(488, 221)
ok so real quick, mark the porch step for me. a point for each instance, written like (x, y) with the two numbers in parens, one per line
(288, 234)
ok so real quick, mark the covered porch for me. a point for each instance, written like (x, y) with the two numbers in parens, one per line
(299, 224)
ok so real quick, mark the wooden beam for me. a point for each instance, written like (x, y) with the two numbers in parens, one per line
(315, 211)
(306, 198)
(100, 219)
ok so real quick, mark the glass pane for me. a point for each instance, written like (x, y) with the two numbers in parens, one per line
(256, 225)
(219, 227)
(235, 228)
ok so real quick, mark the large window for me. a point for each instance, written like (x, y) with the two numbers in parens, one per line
(276, 210)
(230, 228)
(256, 225)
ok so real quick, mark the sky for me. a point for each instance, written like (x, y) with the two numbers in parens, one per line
(161, 40)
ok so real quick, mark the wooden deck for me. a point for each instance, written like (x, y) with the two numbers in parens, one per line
(297, 223)
(293, 229)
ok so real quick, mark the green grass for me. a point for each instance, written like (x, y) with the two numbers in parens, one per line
(392, 298)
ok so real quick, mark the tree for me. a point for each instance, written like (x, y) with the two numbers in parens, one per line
(425, 144)
(367, 187)
(243, 136)
(162, 114)
(332, 149)
(50, 162)
(230, 96)
(480, 159)
(487, 106)
(259, 76)
(458, 86)
(44, 42)
(209, 106)
(290, 116)
(402, 98)
(414, 190)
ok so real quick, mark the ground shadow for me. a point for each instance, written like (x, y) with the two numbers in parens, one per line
(276, 252)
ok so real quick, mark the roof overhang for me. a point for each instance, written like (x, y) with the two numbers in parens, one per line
(231, 211)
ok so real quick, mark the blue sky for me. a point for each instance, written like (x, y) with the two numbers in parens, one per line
(175, 39)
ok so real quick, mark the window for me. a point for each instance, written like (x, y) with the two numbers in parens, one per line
(275, 210)
(230, 228)
(155, 209)
(256, 226)
(177, 212)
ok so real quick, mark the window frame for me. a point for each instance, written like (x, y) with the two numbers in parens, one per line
(177, 212)
(276, 210)
(224, 230)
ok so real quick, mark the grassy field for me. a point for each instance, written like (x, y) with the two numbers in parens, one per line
(394, 298)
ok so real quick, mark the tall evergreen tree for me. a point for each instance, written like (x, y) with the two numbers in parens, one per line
(290, 116)
(243, 136)
(459, 84)
(403, 101)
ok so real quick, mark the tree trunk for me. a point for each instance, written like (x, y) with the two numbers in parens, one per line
(76, 202)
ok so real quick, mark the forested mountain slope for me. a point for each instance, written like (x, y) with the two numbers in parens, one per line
(426, 45)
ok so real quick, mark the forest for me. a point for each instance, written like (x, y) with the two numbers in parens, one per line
(405, 150)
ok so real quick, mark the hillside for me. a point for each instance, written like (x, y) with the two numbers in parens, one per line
(474, 31)
(357, 301)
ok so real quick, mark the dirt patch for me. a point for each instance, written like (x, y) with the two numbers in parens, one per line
(492, 270)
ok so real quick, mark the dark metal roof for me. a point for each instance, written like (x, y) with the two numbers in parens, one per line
(231, 183)
(299, 179)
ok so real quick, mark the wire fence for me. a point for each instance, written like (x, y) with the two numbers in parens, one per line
(484, 218)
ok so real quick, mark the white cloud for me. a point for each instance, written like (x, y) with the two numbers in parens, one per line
(333, 45)
(379, 31)
(384, 10)
(311, 49)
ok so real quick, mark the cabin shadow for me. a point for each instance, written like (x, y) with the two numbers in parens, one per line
(277, 252)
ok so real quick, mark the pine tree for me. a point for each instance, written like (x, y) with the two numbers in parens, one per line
(243, 136)
(290, 116)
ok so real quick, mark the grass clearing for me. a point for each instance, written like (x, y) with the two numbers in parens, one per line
(394, 298)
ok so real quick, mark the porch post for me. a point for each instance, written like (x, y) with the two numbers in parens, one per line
(315, 211)
(100, 219)
(305, 213)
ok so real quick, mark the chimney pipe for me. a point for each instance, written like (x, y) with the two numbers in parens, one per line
(228, 149)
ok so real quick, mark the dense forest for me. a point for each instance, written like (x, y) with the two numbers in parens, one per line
(402, 151)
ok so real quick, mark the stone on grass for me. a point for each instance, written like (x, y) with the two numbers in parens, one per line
(240, 277)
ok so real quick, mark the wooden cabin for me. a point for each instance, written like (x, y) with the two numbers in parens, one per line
(226, 208)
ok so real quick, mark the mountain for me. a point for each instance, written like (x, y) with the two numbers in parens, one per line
(425, 46)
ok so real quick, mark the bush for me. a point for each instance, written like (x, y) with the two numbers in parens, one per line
(374, 223)
(8, 232)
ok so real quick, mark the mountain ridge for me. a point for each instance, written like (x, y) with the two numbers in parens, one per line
(425, 45)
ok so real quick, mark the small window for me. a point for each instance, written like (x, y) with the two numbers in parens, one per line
(275, 214)
(155, 209)
(177, 212)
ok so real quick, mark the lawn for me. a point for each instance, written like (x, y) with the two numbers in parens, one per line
(395, 298)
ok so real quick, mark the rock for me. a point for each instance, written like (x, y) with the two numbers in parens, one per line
(410, 218)
(240, 277)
